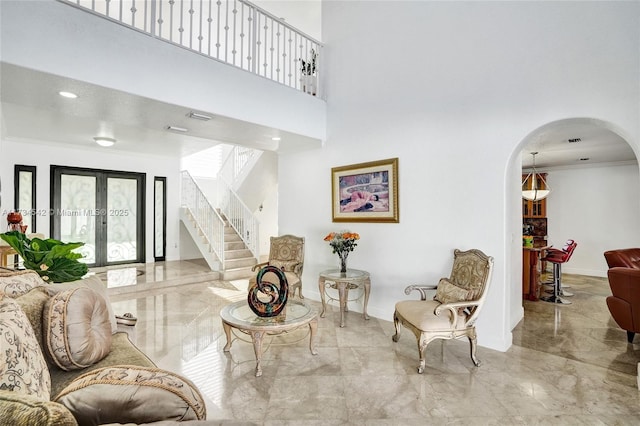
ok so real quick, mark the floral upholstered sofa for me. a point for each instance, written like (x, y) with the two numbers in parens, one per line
(62, 361)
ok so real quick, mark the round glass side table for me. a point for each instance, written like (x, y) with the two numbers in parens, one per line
(343, 282)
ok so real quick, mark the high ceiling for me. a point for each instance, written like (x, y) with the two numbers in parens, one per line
(32, 110)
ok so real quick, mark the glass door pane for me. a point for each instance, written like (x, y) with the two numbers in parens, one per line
(122, 230)
(78, 213)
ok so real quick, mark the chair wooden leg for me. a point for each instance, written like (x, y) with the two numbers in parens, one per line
(630, 335)
(396, 323)
(473, 343)
(422, 349)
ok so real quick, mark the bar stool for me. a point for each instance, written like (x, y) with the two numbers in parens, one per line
(557, 258)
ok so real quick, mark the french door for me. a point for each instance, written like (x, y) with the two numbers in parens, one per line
(104, 209)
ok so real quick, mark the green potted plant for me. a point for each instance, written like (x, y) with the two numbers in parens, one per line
(52, 259)
(308, 69)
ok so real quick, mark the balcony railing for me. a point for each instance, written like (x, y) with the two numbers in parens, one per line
(235, 32)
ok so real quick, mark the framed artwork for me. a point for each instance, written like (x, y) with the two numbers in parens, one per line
(365, 192)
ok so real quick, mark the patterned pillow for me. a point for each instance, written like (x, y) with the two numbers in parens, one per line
(94, 283)
(132, 394)
(18, 409)
(448, 292)
(16, 283)
(22, 367)
(76, 328)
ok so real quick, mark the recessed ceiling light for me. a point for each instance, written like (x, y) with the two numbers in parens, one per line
(104, 141)
(69, 95)
(275, 138)
(198, 116)
(177, 129)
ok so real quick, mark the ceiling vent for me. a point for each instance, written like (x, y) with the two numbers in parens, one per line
(574, 140)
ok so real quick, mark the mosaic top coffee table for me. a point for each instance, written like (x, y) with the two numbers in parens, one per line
(296, 314)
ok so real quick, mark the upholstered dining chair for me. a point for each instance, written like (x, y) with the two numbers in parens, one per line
(453, 311)
(286, 253)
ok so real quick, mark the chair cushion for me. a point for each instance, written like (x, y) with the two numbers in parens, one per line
(94, 283)
(421, 313)
(23, 369)
(16, 283)
(448, 292)
(76, 328)
(132, 394)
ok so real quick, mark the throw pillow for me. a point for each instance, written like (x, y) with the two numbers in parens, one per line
(96, 284)
(23, 368)
(76, 328)
(448, 292)
(132, 394)
(16, 283)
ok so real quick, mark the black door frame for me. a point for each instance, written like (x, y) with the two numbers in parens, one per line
(101, 176)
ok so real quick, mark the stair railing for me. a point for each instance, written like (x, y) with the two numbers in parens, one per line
(235, 32)
(235, 163)
(239, 216)
(207, 218)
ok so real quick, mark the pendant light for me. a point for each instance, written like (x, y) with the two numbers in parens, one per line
(534, 194)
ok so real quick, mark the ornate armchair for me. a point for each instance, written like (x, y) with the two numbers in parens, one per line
(286, 253)
(454, 310)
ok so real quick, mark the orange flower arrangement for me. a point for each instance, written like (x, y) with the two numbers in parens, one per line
(343, 243)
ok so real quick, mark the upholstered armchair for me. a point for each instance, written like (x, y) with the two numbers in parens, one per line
(452, 313)
(624, 302)
(286, 253)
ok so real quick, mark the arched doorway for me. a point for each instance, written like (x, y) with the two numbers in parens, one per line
(593, 201)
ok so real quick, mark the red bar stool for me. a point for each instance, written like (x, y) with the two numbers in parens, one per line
(557, 258)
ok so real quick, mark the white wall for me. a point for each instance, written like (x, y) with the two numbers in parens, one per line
(599, 208)
(43, 156)
(452, 89)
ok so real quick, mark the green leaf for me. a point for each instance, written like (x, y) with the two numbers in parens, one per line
(52, 259)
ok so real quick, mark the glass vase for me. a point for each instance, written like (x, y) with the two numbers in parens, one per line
(343, 263)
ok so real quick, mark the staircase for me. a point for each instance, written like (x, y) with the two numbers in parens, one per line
(238, 259)
(227, 234)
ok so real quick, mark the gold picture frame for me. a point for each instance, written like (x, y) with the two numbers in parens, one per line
(366, 192)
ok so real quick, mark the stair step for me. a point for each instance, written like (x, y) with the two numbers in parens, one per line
(236, 274)
(237, 254)
(239, 263)
(232, 238)
(234, 245)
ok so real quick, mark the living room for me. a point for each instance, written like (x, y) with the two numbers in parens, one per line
(455, 104)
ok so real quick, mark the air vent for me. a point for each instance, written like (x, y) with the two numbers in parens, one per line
(574, 140)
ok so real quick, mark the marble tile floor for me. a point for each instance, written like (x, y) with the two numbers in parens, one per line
(569, 365)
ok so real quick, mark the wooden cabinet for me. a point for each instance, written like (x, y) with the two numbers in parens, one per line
(534, 208)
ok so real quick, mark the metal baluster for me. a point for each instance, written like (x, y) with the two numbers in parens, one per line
(209, 21)
(242, 6)
(181, 27)
(226, 30)
(290, 64)
(266, 28)
(235, 27)
(218, 31)
(257, 42)
(171, 5)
